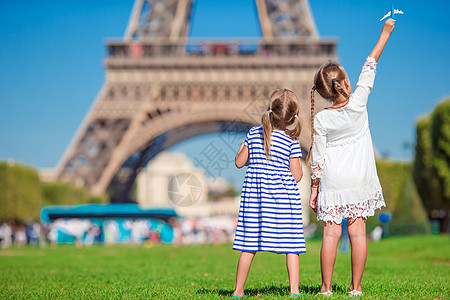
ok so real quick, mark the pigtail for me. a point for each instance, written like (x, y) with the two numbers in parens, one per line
(295, 132)
(308, 158)
(338, 87)
(267, 132)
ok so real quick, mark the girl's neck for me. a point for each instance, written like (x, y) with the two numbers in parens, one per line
(340, 102)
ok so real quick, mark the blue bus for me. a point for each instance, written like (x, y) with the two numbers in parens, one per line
(108, 224)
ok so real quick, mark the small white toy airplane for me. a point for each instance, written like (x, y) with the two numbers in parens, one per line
(392, 13)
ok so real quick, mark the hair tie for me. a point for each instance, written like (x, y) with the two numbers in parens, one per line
(314, 88)
(333, 80)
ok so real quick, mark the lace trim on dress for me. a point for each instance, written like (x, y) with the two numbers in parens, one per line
(350, 140)
(370, 64)
(365, 209)
(316, 170)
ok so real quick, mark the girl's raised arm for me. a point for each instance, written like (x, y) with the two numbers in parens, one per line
(367, 77)
(388, 27)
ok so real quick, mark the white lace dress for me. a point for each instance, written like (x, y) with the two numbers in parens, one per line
(342, 157)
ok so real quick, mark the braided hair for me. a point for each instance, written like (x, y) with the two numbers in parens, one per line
(327, 82)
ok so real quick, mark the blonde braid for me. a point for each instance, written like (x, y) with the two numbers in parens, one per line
(338, 87)
(308, 159)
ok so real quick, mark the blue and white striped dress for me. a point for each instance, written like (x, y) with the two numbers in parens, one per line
(270, 214)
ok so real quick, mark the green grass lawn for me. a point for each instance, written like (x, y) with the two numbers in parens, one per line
(397, 268)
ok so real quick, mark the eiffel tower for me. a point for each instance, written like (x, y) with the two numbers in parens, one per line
(162, 87)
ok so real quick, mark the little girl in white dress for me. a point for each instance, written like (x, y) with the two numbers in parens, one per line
(343, 157)
(342, 160)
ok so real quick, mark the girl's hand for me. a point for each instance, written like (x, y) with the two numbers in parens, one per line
(388, 26)
(313, 199)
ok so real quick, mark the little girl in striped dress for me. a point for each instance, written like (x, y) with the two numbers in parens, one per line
(270, 215)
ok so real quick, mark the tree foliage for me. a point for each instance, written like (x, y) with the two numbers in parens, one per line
(409, 215)
(432, 163)
(56, 193)
(402, 199)
(20, 193)
(392, 176)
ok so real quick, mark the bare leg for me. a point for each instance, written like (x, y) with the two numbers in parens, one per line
(245, 261)
(357, 235)
(293, 268)
(331, 236)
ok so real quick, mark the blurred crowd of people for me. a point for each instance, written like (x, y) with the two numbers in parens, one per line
(212, 230)
(178, 231)
(182, 231)
(15, 234)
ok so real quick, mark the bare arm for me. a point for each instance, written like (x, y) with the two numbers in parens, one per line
(388, 27)
(242, 156)
(296, 168)
(314, 193)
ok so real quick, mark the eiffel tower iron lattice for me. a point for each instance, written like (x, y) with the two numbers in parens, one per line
(162, 87)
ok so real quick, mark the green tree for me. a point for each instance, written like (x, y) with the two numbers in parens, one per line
(432, 163)
(6, 208)
(392, 175)
(57, 193)
(409, 216)
(20, 196)
(440, 138)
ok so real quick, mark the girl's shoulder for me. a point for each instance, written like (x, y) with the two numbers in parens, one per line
(324, 119)
(256, 128)
(322, 115)
(255, 131)
(282, 136)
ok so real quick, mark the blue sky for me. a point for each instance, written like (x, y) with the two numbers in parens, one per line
(51, 65)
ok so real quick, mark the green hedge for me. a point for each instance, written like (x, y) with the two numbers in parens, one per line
(402, 200)
(56, 193)
(392, 176)
(432, 163)
(22, 194)
(409, 215)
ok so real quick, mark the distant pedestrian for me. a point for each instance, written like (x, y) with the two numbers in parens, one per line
(7, 234)
(20, 237)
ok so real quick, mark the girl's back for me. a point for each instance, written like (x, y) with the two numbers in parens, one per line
(351, 121)
(282, 149)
